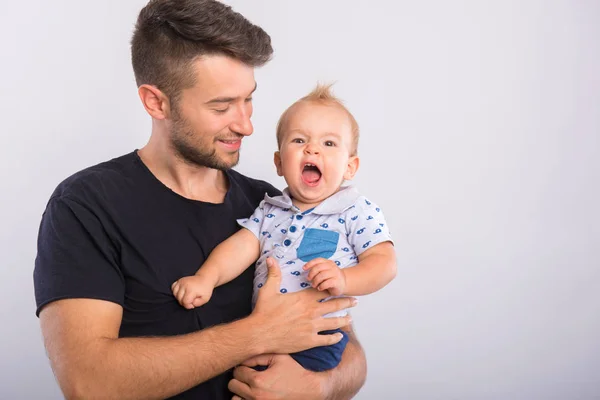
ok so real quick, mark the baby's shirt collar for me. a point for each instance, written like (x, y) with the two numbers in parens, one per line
(337, 203)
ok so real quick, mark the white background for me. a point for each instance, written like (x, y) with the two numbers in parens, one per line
(480, 140)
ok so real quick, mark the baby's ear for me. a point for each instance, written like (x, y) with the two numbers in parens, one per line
(277, 161)
(351, 168)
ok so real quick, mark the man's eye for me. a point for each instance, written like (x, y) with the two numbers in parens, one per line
(329, 143)
(221, 111)
(249, 100)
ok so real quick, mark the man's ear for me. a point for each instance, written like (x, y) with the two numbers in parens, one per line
(351, 168)
(277, 161)
(155, 101)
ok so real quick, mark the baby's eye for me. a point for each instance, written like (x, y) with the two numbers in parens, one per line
(329, 143)
(297, 140)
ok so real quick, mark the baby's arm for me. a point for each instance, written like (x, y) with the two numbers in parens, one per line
(227, 261)
(231, 257)
(367, 232)
(376, 268)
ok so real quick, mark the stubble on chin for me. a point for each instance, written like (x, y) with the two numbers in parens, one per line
(192, 153)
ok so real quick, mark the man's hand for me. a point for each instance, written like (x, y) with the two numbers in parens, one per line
(192, 291)
(326, 275)
(283, 379)
(292, 321)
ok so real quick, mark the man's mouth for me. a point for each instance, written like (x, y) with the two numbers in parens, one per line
(230, 139)
(232, 144)
(311, 174)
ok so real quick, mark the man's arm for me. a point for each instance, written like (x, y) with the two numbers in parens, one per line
(348, 378)
(90, 360)
(286, 379)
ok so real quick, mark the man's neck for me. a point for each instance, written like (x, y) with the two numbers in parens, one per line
(190, 181)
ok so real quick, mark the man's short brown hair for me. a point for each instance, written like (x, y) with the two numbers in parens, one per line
(170, 34)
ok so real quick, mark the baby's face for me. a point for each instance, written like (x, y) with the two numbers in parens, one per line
(314, 157)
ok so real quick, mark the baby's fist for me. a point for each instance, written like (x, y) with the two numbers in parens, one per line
(326, 275)
(192, 291)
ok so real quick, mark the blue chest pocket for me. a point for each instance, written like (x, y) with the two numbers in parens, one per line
(317, 243)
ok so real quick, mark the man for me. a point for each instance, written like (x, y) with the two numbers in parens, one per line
(115, 236)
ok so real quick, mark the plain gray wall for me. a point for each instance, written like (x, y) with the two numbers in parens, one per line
(480, 140)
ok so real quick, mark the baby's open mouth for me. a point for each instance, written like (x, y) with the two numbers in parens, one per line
(311, 174)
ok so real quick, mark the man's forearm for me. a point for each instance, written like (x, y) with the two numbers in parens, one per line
(344, 381)
(158, 367)
(91, 361)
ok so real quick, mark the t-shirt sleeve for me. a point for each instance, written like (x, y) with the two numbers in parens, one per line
(254, 223)
(271, 190)
(75, 258)
(366, 226)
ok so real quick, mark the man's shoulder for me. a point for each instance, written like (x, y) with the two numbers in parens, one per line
(254, 187)
(105, 176)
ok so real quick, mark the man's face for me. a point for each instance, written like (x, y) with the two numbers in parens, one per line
(211, 119)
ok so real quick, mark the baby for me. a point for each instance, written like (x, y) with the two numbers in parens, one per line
(323, 235)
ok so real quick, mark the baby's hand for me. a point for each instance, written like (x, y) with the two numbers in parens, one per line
(192, 291)
(325, 275)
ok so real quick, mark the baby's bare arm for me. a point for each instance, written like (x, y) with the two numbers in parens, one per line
(376, 268)
(230, 258)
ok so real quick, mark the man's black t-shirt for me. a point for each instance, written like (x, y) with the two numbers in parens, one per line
(115, 232)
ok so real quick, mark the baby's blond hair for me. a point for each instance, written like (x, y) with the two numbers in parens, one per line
(323, 95)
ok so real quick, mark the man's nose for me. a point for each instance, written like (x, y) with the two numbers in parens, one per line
(242, 123)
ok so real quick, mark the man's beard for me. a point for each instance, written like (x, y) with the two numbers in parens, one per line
(182, 140)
